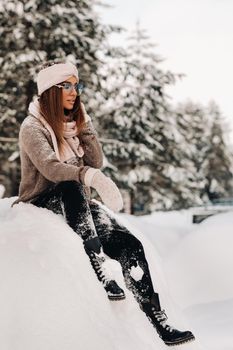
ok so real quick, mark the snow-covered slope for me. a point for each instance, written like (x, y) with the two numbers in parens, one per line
(205, 262)
(51, 299)
(197, 263)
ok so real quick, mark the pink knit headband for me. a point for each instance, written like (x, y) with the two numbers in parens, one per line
(55, 74)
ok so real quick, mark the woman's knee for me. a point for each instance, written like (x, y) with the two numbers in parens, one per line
(134, 242)
(70, 187)
(128, 242)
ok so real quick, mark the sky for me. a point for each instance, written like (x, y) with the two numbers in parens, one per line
(195, 37)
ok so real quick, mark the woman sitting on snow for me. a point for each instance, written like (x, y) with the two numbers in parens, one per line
(61, 159)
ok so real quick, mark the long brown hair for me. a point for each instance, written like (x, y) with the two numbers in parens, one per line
(51, 107)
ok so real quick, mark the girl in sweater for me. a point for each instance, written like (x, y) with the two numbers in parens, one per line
(61, 159)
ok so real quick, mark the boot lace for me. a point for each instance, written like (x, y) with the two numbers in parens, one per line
(162, 318)
(99, 262)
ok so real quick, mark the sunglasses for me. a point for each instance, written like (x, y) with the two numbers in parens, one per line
(68, 87)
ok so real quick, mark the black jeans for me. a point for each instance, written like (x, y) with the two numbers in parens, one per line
(89, 220)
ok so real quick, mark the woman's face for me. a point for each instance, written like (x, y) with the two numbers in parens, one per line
(69, 97)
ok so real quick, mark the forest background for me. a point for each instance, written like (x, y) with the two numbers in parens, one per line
(161, 154)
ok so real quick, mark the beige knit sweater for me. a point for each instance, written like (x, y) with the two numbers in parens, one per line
(40, 167)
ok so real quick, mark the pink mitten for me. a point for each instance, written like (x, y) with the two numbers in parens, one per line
(105, 187)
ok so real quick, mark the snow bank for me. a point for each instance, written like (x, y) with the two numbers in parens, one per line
(50, 297)
(163, 229)
(197, 263)
(204, 263)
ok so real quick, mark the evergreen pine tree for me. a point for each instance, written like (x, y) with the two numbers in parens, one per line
(134, 122)
(205, 156)
(193, 125)
(219, 168)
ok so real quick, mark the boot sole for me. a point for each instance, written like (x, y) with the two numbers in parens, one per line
(180, 342)
(174, 343)
(115, 298)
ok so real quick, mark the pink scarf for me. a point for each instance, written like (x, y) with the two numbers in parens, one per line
(71, 147)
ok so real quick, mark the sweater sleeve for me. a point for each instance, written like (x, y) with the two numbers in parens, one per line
(93, 155)
(35, 143)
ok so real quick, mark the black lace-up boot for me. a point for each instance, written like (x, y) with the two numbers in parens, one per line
(93, 249)
(158, 318)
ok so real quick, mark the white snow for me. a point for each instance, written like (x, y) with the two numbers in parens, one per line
(51, 299)
(136, 272)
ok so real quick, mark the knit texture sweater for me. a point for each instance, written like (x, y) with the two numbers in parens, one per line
(40, 167)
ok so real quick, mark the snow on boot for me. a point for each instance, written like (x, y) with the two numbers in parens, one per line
(158, 318)
(94, 250)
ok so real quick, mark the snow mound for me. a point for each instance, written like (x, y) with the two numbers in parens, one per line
(204, 262)
(50, 297)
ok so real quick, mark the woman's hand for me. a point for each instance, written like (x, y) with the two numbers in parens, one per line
(87, 118)
(93, 154)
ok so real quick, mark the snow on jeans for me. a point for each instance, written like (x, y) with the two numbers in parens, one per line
(89, 220)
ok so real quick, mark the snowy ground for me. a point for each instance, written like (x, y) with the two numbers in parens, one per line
(50, 298)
